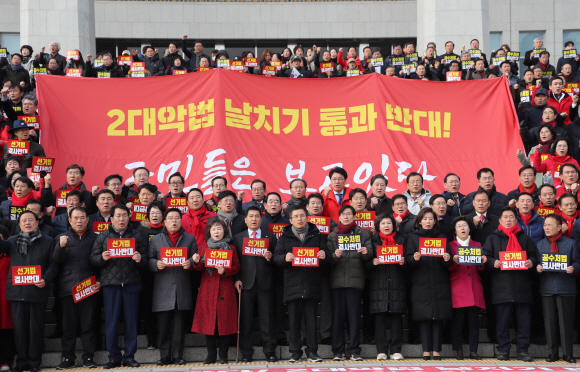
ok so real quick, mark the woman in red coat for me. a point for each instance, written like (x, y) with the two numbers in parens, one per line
(466, 290)
(216, 309)
(560, 153)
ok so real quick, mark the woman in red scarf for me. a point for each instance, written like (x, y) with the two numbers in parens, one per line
(545, 135)
(560, 153)
(195, 220)
(388, 292)
(430, 292)
(466, 289)
(23, 192)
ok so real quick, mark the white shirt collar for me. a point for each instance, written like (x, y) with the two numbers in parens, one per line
(258, 233)
(479, 214)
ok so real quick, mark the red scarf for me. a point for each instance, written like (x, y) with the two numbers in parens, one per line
(544, 66)
(513, 244)
(548, 143)
(21, 202)
(570, 221)
(117, 198)
(401, 215)
(174, 237)
(388, 240)
(530, 191)
(156, 226)
(342, 229)
(561, 159)
(77, 187)
(526, 219)
(195, 214)
(553, 240)
(136, 189)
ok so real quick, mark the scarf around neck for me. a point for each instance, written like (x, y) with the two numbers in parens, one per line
(23, 240)
(228, 218)
(463, 243)
(301, 231)
(212, 244)
(388, 240)
(513, 244)
(16, 68)
(553, 242)
(346, 229)
(296, 201)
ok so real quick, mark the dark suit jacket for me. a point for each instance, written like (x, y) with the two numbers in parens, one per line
(482, 231)
(252, 268)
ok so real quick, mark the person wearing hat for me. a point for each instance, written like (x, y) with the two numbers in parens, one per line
(533, 115)
(21, 132)
(296, 70)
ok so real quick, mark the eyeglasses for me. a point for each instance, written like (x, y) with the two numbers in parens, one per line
(173, 218)
(359, 199)
(115, 184)
(176, 183)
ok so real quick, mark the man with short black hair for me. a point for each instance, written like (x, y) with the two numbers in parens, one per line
(548, 202)
(105, 202)
(403, 217)
(153, 65)
(569, 177)
(379, 201)
(336, 195)
(486, 181)
(544, 63)
(417, 196)
(527, 184)
(197, 54)
(218, 184)
(561, 100)
(298, 190)
(573, 62)
(140, 177)
(73, 200)
(258, 188)
(176, 183)
(114, 182)
(455, 200)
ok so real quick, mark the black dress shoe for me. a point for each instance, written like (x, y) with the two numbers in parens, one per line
(181, 362)
(436, 357)
(112, 364)
(131, 363)
(503, 356)
(474, 356)
(271, 357)
(569, 359)
(163, 362)
(426, 357)
(34, 369)
(552, 358)
(246, 359)
(459, 355)
(209, 360)
(223, 360)
(525, 357)
(326, 341)
(282, 342)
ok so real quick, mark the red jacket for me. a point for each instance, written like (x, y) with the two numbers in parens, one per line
(331, 206)
(563, 106)
(552, 164)
(466, 287)
(344, 63)
(197, 228)
(5, 306)
(216, 299)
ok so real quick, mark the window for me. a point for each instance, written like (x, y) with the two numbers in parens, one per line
(494, 40)
(527, 43)
(11, 42)
(573, 36)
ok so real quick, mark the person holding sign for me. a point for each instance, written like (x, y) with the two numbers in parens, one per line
(561, 152)
(216, 307)
(510, 254)
(300, 251)
(176, 183)
(428, 256)
(140, 177)
(170, 254)
(560, 262)
(147, 195)
(572, 60)
(531, 57)
(466, 289)
(350, 247)
(255, 248)
(195, 220)
(388, 292)
(60, 222)
(79, 62)
(16, 71)
(32, 271)
(21, 132)
(23, 193)
(121, 283)
(74, 181)
(326, 67)
(153, 65)
(296, 70)
(105, 201)
(109, 66)
(71, 252)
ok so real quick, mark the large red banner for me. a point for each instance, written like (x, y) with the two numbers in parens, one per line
(244, 127)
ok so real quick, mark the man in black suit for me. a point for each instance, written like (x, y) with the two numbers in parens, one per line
(485, 222)
(255, 281)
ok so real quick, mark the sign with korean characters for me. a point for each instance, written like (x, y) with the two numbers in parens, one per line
(103, 75)
(496, 61)
(277, 64)
(72, 54)
(16, 211)
(222, 63)
(544, 211)
(326, 67)
(18, 148)
(377, 62)
(513, 260)
(179, 72)
(353, 72)
(475, 53)
(84, 289)
(39, 70)
(398, 61)
(3, 52)
(237, 65)
(173, 256)
(203, 68)
(218, 257)
(454, 75)
(139, 213)
(125, 60)
(513, 56)
(469, 256)
(25, 275)
(538, 51)
(466, 65)
(42, 164)
(255, 247)
(61, 198)
(433, 247)
(251, 62)
(99, 227)
(409, 69)
(277, 228)
(348, 242)
(569, 54)
(33, 121)
(554, 262)
(390, 254)
(98, 62)
(572, 88)
(74, 72)
(365, 220)
(305, 256)
(525, 96)
(179, 203)
(269, 70)
(323, 223)
(121, 247)
(412, 56)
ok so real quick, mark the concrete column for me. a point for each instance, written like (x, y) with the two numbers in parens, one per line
(68, 22)
(440, 21)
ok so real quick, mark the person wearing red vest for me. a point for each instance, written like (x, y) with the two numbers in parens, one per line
(336, 195)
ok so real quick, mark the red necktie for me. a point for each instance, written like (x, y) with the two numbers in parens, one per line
(254, 234)
(482, 218)
(301, 236)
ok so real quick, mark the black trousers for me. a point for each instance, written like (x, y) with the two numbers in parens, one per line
(171, 336)
(472, 315)
(279, 308)
(523, 319)
(146, 315)
(431, 335)
(490, 316)
(559, 321)
(216, 340)
(7, 346)
(28, 319)
(75, 316)
(265, 301)
(325, 308)
(382, 320)
(346, 306)
(297, 310)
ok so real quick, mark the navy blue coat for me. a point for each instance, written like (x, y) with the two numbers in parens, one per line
(535, 229)
(558, 283)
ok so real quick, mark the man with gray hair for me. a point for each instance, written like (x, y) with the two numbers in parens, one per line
(109, 68)
(532, 57)
(54, 49)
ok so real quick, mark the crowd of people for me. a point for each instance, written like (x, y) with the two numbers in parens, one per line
(127, 251)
